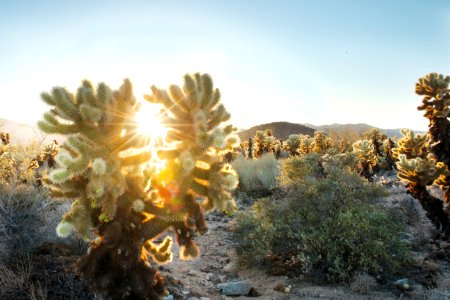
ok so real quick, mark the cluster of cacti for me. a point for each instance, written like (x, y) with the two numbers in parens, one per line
(14, 163)
(264, 142)
(341, 141)
(120, 205)
(419, 168)
(382, 146)
(376, 137)
(46, 156)
(436, 104)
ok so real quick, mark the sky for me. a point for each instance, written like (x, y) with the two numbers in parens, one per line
(318, 62)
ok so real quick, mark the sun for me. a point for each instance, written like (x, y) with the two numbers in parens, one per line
(149, 121)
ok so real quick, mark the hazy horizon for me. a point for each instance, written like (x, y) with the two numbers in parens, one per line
(318, 62)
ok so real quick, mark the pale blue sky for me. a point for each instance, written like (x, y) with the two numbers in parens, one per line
(316, 62)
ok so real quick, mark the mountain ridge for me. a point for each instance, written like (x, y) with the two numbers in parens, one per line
(282, 129)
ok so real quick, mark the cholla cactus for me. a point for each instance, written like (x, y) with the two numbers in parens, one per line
(5, 138)
(366, 157)
(192, 116)
(412, 145)
(122, 209)
(320, 142)
(292, 144)
(436, 104)
(306, 144)
(376, 137)
(250, 148)
(419, 168)
(47, 155)
(420, 171)
(265, 142)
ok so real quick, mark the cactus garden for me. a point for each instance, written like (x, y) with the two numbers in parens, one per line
(221, 150)
(108, 212)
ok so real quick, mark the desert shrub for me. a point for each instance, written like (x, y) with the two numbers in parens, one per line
(14, 165)
(16, 283)
(297, 168)
(257, 174)
(327, 228)
(363, 283)
(28, 217)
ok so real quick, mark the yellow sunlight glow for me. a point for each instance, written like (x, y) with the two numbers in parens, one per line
(149, 121)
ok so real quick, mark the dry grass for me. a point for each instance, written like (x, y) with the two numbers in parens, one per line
(17, 283)
(257, 174)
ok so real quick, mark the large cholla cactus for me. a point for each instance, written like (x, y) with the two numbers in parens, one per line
(120, 206)
(436, 104)
(366, 158)
(419, 168)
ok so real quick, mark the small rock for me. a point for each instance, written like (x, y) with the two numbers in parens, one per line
(185, 292)
(447, 296)
(213, 277)
(403, 284)
(236, 288)
(170, 297)
(204, 298)
(193, 298)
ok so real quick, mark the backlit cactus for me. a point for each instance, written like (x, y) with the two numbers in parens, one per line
(264, 142)
(292, 144)
(436, 104)
(320, 142)
(419, 168)
(420, 171)
(366, 158)
(376, 137)
(412, 145)
(120, 203)
(5, 138)
(194, 164)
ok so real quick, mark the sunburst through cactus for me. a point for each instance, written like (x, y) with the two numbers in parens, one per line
(122, 202)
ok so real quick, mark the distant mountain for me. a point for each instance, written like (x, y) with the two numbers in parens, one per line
(357, 128)
(281, 130)
(25, 134)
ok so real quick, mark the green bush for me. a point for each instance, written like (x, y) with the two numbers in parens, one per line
(327, 228)
(257, 174)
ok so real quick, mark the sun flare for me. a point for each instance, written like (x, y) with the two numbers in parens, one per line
(149, 121)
